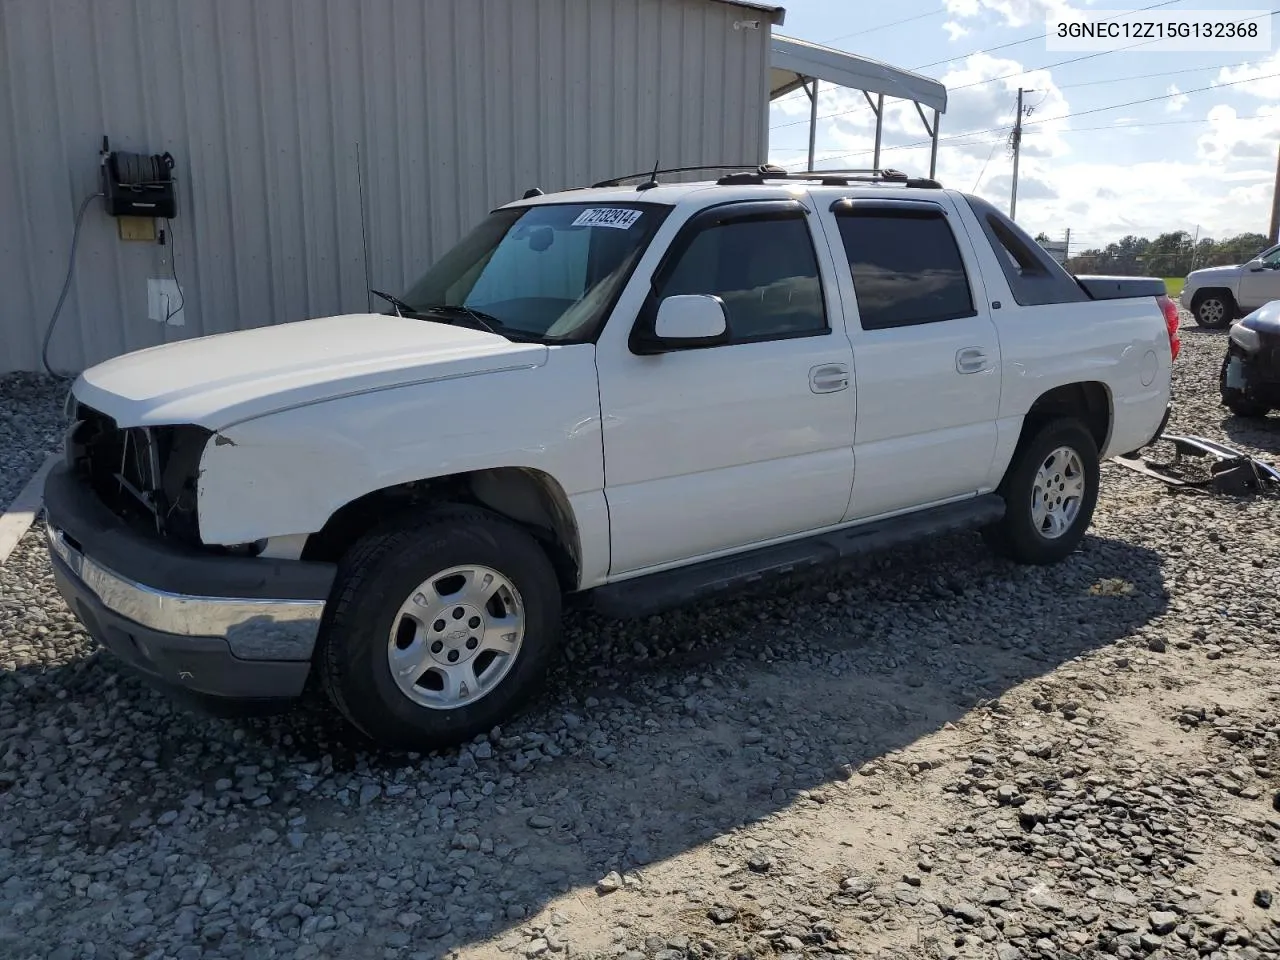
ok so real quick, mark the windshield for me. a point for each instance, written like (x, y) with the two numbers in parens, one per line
(547, 271)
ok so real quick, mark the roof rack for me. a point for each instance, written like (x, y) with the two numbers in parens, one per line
(767, 172)
(653, 174)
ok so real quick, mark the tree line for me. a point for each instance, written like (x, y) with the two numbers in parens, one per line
(1169, 255)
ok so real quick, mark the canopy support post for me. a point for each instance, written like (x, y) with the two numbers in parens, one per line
(875, 163)
(811, 88)
(932, 130)
(933, 153)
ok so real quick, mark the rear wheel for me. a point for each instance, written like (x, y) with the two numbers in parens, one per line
(1213, 309)
(1050, 492)
(440, 630)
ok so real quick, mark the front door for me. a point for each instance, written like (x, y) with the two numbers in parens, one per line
(711, 449)
(1260, 281)
(926, 355)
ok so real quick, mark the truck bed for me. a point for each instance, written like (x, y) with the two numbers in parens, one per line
(1121, 288)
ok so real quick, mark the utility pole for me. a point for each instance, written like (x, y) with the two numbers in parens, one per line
(1066, 247)
(1275, 205)
(1017, 149)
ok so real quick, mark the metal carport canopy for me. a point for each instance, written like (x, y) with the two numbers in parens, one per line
(797, 64)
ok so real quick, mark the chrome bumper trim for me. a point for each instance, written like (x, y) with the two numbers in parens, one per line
(254, 629)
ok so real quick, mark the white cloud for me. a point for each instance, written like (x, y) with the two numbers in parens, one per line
(1267, 89)
(1231, 137)
(1011, 13)
(1178, 99)
(954, 30)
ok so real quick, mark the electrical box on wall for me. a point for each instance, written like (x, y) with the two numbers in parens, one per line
(137, 228)
(138, 185)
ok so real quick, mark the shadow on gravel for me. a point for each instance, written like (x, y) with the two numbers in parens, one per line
(652, 738)
(1253, 434)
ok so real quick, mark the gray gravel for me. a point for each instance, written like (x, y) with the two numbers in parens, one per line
(30, 427)
(928, 754)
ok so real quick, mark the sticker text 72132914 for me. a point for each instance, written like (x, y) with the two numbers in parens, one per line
(619, 218)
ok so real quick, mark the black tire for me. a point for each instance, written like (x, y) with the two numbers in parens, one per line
(1017, 536)
(383, 571)
(1213, 309)
(1235, 400)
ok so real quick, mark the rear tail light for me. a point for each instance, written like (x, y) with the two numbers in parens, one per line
(1171, 323)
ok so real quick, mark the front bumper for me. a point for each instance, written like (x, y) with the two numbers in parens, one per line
(1255, 374)
(226, 628)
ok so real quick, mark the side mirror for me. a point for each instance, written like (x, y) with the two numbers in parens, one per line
(691, 321)
(1256, 266)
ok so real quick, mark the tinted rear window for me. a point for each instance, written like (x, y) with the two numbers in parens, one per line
(906, 268)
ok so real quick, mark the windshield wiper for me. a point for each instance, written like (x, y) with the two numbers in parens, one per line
(485, 320)
(402, 308)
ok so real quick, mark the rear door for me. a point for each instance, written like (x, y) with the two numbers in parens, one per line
(926, 354)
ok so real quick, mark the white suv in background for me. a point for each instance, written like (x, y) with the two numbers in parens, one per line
(1217, 295)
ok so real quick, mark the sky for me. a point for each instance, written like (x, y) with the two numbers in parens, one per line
(1201, 158)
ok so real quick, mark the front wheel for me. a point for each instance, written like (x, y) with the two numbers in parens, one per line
(440, 630)
(1050, 492)
(1213, 310)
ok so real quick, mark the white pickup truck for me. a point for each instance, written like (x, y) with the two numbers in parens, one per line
(1217, 295)
(642, 395)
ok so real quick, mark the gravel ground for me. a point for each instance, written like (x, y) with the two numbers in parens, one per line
(933, 754)
(30, 427)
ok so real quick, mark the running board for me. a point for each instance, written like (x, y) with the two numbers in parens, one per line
(656, 592)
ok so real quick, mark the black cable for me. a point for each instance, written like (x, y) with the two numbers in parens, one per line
(173, 269)
(66, 285)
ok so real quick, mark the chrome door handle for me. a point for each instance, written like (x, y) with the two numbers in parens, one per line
(829, 378)
(971, 360)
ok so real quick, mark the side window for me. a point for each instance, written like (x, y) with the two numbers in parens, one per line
(764, 269)
(1272, 258)
(906, 268)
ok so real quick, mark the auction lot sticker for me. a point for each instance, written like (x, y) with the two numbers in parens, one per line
(619, 218)
(1160, 31)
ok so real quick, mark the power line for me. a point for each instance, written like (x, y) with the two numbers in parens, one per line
(886, 26)
(1079, 113)
(1038, 36)
(1167, 73)
(1048, 66)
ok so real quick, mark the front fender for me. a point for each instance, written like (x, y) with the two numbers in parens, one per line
(286, 473)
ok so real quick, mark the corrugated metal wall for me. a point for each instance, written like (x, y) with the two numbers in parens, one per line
(458, 106)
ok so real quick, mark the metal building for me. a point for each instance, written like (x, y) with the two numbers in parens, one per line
(288, 119)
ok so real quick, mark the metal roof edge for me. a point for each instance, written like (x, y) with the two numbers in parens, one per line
(806, 59)
(777, 14)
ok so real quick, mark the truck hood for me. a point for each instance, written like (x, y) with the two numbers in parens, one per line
(228, 378)
(1266, 319)
(1212, 275)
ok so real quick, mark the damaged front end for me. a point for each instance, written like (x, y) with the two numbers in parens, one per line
(147, 476)
(1250, 377)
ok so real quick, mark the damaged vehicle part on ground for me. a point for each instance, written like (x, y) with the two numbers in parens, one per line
(1250, 381)
(1230, 471)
